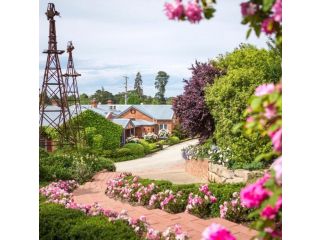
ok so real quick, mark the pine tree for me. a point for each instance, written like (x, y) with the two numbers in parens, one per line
(160, 84)
(138, 85)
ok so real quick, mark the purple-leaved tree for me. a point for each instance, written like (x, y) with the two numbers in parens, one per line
(190, 107)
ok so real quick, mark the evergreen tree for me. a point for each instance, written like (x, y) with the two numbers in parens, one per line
(160, 85)
(138, 85)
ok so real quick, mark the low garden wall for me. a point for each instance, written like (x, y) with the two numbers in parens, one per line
(218, 173)
(198, 168)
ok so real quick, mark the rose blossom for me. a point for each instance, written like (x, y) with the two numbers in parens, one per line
(277, 167)
(276, 138)
(248, 8)
(253, 194)
(217, 232)
(270, 111)
(264, 89)
(277, 10)
(193, 12)
(174, 11)
(267, 26)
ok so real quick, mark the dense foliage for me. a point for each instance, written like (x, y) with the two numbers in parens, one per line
(160, 84)
(247, 67)
(138, 85)
(100, 132)
(190, 107)
(80, 167)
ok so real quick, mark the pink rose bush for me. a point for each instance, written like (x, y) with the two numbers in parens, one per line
(200, 204)
(61, 193)
(217, 232)
(234, 210)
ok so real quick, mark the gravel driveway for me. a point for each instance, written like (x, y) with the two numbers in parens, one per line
(166, 164)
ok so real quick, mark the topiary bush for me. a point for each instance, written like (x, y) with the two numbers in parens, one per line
(122, 152)
(101, 133)
(57, 222)
(247, 68)
(173, 140)
(146, 145)
(136, 149)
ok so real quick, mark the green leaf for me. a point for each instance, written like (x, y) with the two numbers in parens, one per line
(236, 128)
(208, 12)
(256, 103)
(248, 33)
(267, 4)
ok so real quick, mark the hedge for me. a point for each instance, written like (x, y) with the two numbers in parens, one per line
(57, 222)
(107, 133)
(136, 149)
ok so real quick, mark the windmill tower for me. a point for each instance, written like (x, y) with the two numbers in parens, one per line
(72, 89)
(54, 90)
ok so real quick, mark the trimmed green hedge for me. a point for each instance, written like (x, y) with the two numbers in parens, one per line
(136, 149)
(57, 222)
(173, 140)
(108, 134)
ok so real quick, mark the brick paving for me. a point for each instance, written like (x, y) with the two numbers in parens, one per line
(94, 191)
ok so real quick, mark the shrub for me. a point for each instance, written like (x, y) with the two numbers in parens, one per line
(57, 222)
(150, 137)
(173, 140)
(107, 153)
(179, 132)
(163, 134)
(136, 149)
(247, 68)
(162, 142)
(132, 139)
(110, 133)
(80, 167)
(43, 153)
(122, 152)
(146, 146)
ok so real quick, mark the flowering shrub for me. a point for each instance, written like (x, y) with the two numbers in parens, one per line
(163, 134)
(150, 137)
(200, 204)
(234, 210)
(60, 193)
(132, 139)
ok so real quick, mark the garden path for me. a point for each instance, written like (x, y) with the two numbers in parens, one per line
(167, 164)
(94, 191)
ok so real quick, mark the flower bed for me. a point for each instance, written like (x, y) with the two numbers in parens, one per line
(61, 193)
(203, 201)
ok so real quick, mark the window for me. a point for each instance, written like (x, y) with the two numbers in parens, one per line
(163, 126)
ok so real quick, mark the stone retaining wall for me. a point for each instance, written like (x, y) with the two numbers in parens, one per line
(221, 174)
(198, 168)
(218, 173)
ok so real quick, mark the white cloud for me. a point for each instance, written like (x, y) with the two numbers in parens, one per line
(115, 38)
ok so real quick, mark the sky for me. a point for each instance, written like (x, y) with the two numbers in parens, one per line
(114, 38)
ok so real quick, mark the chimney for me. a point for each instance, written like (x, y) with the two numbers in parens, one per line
(94, 103)
(109, 102)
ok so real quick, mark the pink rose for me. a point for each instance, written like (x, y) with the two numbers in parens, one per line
(248, 8)
(267, 26)
(270, 111)
(264, 89)
(217, 232)
(277, 167)
(193, 12)
(174, 11)
(276, 138)
(277, 10)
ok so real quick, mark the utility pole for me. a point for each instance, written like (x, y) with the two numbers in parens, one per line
(126, 90)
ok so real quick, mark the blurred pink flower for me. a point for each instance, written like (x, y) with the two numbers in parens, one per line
(267, 26)
(217, 232)
(193, 12)
(270, 111)
(276, 138)
(253, 194)
(264, 89)
(175, 10)
(248, 8)
(277, 10)
(277, 166)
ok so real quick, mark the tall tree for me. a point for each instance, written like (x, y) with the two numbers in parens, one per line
(138, 85)
(102, 96)
(160, 85)
(190, 107)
